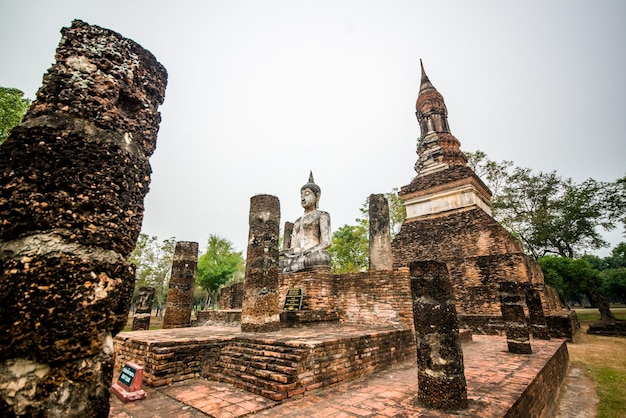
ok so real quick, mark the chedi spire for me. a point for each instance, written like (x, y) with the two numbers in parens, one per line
(437, 148)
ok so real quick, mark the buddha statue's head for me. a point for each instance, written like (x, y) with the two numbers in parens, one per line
(314, 188)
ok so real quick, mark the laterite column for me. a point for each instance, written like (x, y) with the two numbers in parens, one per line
(182, 282)
(379, 235)
(440, 370)
(260, 310)
(141, 318)
(73, 177)
(538, 323)
(512, 308)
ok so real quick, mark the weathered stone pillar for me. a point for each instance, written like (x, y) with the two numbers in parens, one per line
(380, 237)
(538, 323)
(182, 282)
(73, 177)
(141, 319)
(511, 305)
(260, 311)
(287, 235)
(440, 371)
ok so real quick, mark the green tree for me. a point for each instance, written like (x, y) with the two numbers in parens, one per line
(349, 251)
(574, 278)
(550, 214)
(217, 266)
(614, 283)
(494, 174)
(13, 106)
(153, 261)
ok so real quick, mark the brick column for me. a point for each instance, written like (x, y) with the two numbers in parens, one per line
(380, 238)
(538, 324)
(260, 310)
(141, 319)
(441, 374)
(73, 177)
(182, 282)
(511, 305)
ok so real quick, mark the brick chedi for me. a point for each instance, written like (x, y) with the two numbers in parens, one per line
(449, 220)
(73, 177)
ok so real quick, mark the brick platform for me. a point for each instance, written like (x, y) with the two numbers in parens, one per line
(276, 365)
(499, 384)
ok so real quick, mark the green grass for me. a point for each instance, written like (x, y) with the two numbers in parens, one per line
(590, 315)
(611, 391)
(605, 360)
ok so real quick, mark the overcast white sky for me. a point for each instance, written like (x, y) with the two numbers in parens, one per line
(261, 92)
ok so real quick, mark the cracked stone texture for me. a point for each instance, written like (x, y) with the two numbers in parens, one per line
(260, 311)
(441, 375)
(73, 177)
(182, 282)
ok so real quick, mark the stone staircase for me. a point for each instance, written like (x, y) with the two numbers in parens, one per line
(272, 371)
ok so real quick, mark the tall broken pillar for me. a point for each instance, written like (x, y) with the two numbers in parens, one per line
(379, 234)
(287, 235)
(512, 308)
(73, 177)
(260, 311)
(538, 323)
(182, 282)
(440, 371)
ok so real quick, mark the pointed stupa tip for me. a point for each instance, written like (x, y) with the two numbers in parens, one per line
(425, 83)
(422, 67)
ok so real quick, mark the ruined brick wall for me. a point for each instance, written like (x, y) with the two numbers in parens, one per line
(381, 297)
(318, 287)
(479, 252)
(73, 177)
(231, 297)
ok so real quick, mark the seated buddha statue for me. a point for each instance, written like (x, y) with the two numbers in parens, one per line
(311, 234)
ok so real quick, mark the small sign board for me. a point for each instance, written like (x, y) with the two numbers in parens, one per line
(293, 300)
(127, 375)
(128, 385)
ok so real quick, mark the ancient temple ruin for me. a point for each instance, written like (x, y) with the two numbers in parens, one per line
(337, 327)
(449, 220)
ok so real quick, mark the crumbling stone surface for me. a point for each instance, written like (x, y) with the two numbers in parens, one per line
(538, 323)
(441, 375)
(479, 252)
(380, 257)
(512, 306)
(141, 318)
(182, 283)
(260, 310)
(73, 177)
(287, 235)
(231, 297)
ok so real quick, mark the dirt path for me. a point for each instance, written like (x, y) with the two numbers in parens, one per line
(577, 398)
